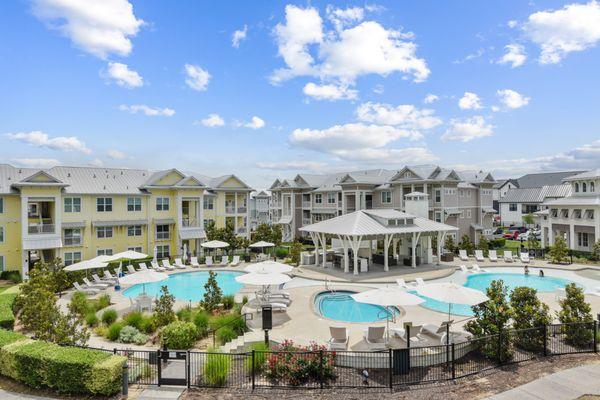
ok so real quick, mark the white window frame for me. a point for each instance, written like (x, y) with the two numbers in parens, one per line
(469, 214)
(318, 198)
(583, 239)
(163, 235)
(462, 214)
(162, 204)
(134, 204)
(209, 203)
(461, 193)
(331, 198)
(104, 204)
(139, 249)
(75, 233)
(468, 193)
(207, 221)
(437, 216)
(104, 252)
(386, 197)
(2, 233)
(437, 193)
(134, 230)
(107, 232)
(74, 257)
(510, 207)
(160, 251)
(70, 206)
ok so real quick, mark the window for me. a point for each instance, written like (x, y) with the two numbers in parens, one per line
(162, 204)
(512, 207)
(468, 193)
(340, 198)
(330, 198)
(134, 230)
(576, 187)
(582, 239)
(104, 232)
(468, 213)
(139, 249)
(32, 210)
(162, 232)
(462, 214)
(134, 204)
(1, 234)
(104, 204)
(577, 214)
(104, 252)
(162, 251)
(1, 263)
(461, 193)
(72, 237)
(592, 188)
(209, 203)
(584, 187)
(438, 195)
(554, 213)
(207, 222)
(590, 214)
(438, 216)
(72, 257)
(72, 204)
(386, 197)
(1, 205)
(318, 198)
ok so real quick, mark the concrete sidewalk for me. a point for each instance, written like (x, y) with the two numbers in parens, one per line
(564, 385)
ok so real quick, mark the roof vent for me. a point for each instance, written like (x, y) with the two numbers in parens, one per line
(94, 176)
(69, 174)
(104, 187)
(20, 171)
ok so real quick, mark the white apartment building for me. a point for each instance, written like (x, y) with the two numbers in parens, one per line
(520, 202)
(259, 209)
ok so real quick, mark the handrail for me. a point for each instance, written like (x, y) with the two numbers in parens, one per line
(246, 316)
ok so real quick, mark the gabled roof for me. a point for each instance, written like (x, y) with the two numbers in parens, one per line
(544, 179)
(40, 178)
(262, 193)
(502, 182)
(536, 195)
(157, 176)
(190, 182)
(476, 177)
(591, 174)
(275, 184)
(216, 183)
(310, 180)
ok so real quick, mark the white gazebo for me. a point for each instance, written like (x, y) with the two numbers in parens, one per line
(359, 229)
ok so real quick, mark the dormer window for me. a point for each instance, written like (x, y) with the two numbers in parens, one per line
(392, 222)
(554, 213)
(577, 213)
(584, 187)
(564, 213)
(576, 187)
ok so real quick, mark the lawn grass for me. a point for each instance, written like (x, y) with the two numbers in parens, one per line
(513, 245)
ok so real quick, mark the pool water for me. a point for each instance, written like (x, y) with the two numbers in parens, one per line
(481, 281)
(340, 306)
(189, 285)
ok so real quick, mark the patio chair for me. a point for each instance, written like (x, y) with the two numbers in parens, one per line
(419, 281)
(87, 290)
(508, 256)
(364, 265)
(475, 268)
(166, 265)
(209, 261)
(275, 298)
(402, 283)
(436, 330)
(464, 269)
(235, 261)
(95, 285)
(143, 267)
(414, 335)
(105, 281)
(493, 256)
(524, 258)
(194, 262)
(157, 267)
(109, 277)
(224, 261)
(374, 336)
(479, 255)
(339, 338)
(179, 264)
(463, 255)
(130, 269)
(560, 294)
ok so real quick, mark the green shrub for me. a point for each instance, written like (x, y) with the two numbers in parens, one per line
(260, 356)
(226, 335)
(129, 334)
(109, 316)
(103, 302)
(134, 319)
(295, 371)
(185, 314)
(179, 335)
(7, 318)
(163, 308)
(281, 252)
(228, 301)
(216, 368)
(79, 304)
(91, 319)
(8, 337)
(529, 317)
(114, 330)
(147, 324)
(201, 322)
(576, 315)
(497, 243)
(13, 276)
(234, 321)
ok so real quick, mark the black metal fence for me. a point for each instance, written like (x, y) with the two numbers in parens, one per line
(357, 369)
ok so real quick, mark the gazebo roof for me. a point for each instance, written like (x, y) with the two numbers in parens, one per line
(376, 223)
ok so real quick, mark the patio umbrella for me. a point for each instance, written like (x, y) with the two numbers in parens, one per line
(388, 297)
(261, 245)
(451, 293)
(128, 255)
(184, 255)
(87, 264)
(269, 267)
(215, 244)
(263, 279)
(143, 277)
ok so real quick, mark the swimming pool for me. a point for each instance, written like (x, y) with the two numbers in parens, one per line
(189, 285)
(481, 281)
(341, 307)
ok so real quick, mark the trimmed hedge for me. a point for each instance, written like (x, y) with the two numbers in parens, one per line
(68, 370)
(7, 318)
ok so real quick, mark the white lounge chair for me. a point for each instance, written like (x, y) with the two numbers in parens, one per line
(109, 277)
(508, 256)
(224, 261)
(87, 290)
(235, 261)
(154, 265)
(524, 258)
(493, 256)
(464, 269)
(375, 337)
(419, 281)
(402, 283)
(130, 269)
(275, 298)
(179, 264)
(166, 265)
(339, 338)
(105, 281)
(95, 285)
(479, 255)
(143, 267)
(475, 268)
(436, 330)
(414, 335)
(209, 261)
(463, 255)
(194, 262)
(560, 294)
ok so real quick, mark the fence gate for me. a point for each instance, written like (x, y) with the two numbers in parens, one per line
(173, 368)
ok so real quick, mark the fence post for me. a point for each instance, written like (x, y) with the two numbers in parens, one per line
(252, 369)
(187, 369)
(115, 351)
(545, 340)
(453, 363)
(391, 372)
(499, 347)
(595, 336)
(321, 369)
(158, 365)
(125, 389)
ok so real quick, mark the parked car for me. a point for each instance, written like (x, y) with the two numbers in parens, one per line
(498, 233)
(536, 233)
(514, 235)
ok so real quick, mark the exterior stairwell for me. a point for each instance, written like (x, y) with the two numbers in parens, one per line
(242, 343)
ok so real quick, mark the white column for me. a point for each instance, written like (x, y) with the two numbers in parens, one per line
(24, 234)
(385, 253)
(439, 247)
(571, 236)
(324, 244)
(356, 200)
(346, 255)
(414, 249)
(201, 211)
(395, 248)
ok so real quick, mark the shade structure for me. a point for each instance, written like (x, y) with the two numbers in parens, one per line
(215, 244)
(184, 253)
(128, 255)
(263, 279)
(451, 293)
(262, 244)
(143, 277)
(269, 267)
(94, 263)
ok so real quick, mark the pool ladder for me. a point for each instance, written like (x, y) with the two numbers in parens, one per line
(328, 286)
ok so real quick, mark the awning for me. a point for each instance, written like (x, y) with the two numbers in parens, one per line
(285, 220)
(489, 210)
(42, 243)
(69, 225)
(119, 223)
(452, 211)
(192, 233)
(324, 210)
(477, 227)
(164, 221)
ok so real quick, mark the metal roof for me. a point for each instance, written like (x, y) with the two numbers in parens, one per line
(536, 195)
(575, 201)
(592, 174)
(544, 179)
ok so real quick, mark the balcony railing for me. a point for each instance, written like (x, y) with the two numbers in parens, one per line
(229, 210)
(306, 221)
(72, 241)
(40, 229)
(242, 210)
(242, 229)
(190, 222)
(306, 204)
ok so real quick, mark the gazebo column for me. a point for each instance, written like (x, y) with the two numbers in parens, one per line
(345, 243)
(395, 248)
(440, 236)
(387, 239)
(415, 240)
(324, 244)
(315, 240)
(355, 242)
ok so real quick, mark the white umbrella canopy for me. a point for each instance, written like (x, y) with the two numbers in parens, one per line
(87, 264)
(451, 293)
(262, 244)
(143, 277)
(184, 255)
(263, 279)
(269, 267)
(128, 255)
(215, 244)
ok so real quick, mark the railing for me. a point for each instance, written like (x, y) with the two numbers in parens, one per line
(229, 210)
(242, 210)
(72, 241)
(306, 204)
(40, 229)
(306, 221)
(213, 332)
(190, 222)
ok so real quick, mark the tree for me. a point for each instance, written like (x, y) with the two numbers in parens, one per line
(528, 219)
(559, 252)
(596, 251)
(163, 308)
(492, 318)
(212, 293)
(466, 244)
(295, 251)
(530, 315)
(483, 245)
(268, 233)
(449, 244)
(576, 316)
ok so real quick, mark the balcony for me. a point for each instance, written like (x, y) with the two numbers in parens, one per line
(242, 210)
(229, 210)
(190, 223)
(41, 229)
(72, 241)
(306, 204)
(306, 221)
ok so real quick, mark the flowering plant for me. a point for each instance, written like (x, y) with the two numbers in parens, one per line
(297, 365)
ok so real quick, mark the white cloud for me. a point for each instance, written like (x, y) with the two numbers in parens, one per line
(212, 121)
(430, 98)
(344, 17)
(512, 23)
(41, 139)
(515, 55)
(470, 56)
(470, 101)
(575, 27)
(468, 129)
(116, 154)
(404, 116)
(378, 89)
(407, 155)
(293, 165)
(100, 27)
(124, 76)
(329, 91)
(196, 77)
(96, 162)
(238, 36)
(511, 99)
(255, 123)
(146, 110)
(36, 162)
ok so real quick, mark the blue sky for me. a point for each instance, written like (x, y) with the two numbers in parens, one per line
(319, 86)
